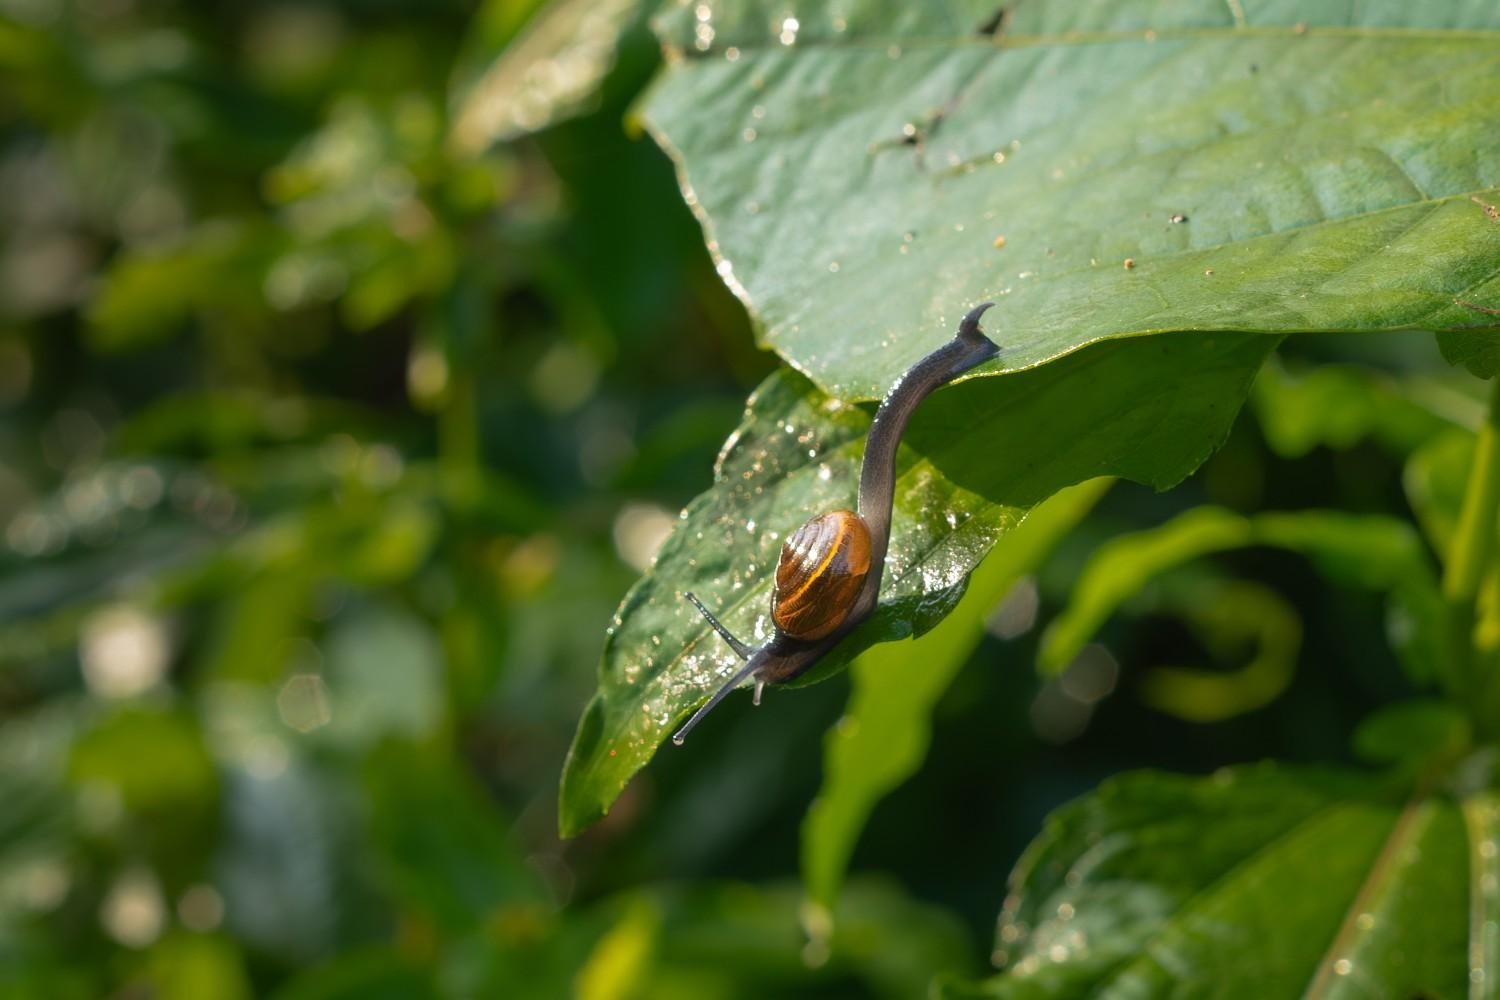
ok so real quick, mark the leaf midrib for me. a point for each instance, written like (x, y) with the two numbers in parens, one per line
(1380, 873)
(1189, 904)
(1477, 956)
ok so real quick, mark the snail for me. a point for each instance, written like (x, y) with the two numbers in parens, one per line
(828, 577)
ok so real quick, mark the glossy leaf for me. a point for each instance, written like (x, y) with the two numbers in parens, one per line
(1165, 407)
(884, 733)
(868, 170)
(1300, 883)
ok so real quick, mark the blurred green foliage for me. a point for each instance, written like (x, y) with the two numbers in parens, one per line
(331, 433)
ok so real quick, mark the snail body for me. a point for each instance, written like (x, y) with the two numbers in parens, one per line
(828, 576)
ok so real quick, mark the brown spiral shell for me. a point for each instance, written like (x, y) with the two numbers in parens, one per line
(823, 565)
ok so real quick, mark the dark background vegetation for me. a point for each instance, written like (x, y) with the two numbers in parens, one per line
(325, 456)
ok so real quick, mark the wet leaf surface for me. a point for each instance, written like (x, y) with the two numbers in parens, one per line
(980, 454)
(1289, 882)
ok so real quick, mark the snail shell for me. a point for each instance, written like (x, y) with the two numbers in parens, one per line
(823, 565)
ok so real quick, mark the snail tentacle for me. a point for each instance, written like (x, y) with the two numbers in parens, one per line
(743, 650)
(749, 668)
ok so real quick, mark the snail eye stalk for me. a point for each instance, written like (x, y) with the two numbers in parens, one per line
(740, 648)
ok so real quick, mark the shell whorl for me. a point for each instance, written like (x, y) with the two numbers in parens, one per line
(822, 568)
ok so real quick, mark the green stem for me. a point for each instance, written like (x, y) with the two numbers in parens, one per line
(1471, 552)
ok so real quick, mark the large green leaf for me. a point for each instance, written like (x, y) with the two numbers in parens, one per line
(1261, 881)
(979, 456)
(1264, 166)
(883, 736)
